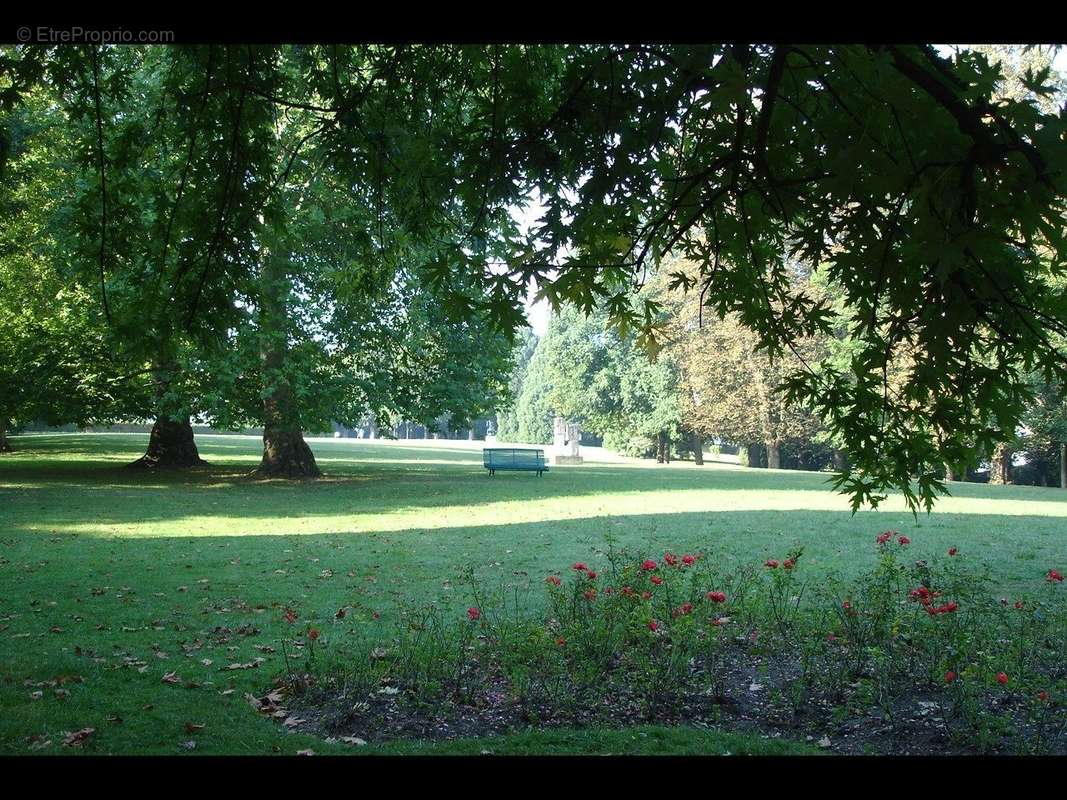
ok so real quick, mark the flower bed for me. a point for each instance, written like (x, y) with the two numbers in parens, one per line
(913, 657)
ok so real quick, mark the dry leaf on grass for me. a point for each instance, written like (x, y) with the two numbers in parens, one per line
(78, 737)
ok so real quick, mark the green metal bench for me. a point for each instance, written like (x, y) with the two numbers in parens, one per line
(514, 458)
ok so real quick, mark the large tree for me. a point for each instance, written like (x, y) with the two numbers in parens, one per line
(730, 390)
(57, 363)
(925, 195)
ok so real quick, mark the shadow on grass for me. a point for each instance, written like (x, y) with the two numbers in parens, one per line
(415, 560)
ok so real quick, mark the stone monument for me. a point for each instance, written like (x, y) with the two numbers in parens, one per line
(567, 437)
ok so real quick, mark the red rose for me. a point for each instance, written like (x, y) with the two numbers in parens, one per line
(771, 563)
(1054, 576)
(670, 559)
(717, 597)
(313, 634)
(1019, 605)
(589, 594)
(1042, 696)
(591, 575)
(1002, 679)
(684, 608)
(553, 580)
(648, 565)
(579, 567)
(884, 537)
(950, 676)
(788, 564)
(474, 613)
(688, 560)
(646, 595)
(628, 591)
(656, 579)
(952, 551)
(376, 615)
(904, 540)
(561, 641)
(653, 626)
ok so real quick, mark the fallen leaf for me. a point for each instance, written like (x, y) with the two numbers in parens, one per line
(193, 727)
(171, 677)
(78, 737)
(824, 742)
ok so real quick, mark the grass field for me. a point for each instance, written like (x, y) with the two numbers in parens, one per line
(118, 577)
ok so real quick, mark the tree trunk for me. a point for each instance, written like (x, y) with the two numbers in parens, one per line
(170, 446)
(698, 449)
(285, 453)
(950, 473)
(1063, 466)
(659, 447)
(755, 457)
(774, 455)
(1001, 467)
(840, 459)
(5, 446)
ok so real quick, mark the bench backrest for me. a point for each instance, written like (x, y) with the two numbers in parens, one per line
(512, 457)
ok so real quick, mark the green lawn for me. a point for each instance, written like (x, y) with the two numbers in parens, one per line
(118, 576)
